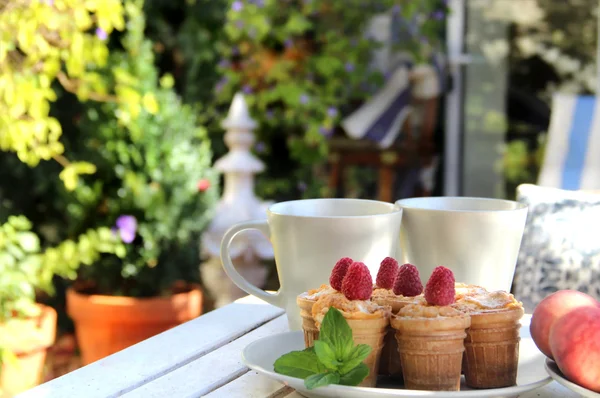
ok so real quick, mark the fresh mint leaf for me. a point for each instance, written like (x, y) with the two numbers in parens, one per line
(321, 380)
(336, 332)
(356, 356)
(300, 364)
(326, 355)
(355, 376)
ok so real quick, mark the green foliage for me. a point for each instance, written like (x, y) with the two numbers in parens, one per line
(25, 267)
(303, 65)
(139, 154)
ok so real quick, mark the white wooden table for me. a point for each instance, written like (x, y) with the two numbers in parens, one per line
(201, 358)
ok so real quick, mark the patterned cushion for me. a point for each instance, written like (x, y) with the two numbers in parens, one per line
(561, 244)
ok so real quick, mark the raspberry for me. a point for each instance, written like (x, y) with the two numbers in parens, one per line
(357, 284)
(408, 283)
(440, 287)
(338, 273)
(387, 273)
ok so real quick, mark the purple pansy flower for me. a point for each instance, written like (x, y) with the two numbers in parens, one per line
(438, 15)
(101, 33)
(247, 89)
(237, 6)
(126, 226)
(325, 131)
(260, 147)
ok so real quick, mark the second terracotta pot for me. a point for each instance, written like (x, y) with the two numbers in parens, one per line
(107, 324)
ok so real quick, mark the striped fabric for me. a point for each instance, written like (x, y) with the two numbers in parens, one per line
(380, 119)
(572, 153)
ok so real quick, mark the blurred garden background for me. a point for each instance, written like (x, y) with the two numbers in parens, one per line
(111, 119)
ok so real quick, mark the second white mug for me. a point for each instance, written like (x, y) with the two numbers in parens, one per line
(477, 238)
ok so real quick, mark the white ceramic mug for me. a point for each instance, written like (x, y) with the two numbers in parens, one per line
(310, 236)
(477, 238)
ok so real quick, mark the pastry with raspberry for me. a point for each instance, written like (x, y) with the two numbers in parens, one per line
(431, 335)
(395, 287)
(368, 320)
(492, 344)
(306, 300)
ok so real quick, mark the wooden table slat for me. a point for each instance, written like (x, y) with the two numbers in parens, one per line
(159, 355)
(252, 385)
(211, 371)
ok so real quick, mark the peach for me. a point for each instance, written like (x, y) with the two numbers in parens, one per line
(550, 309)
(575, 345)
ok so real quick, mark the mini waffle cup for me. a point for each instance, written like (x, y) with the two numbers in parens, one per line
(492, 349)
(371, 332)
(390, 364)
(431, 351)
(311, 332)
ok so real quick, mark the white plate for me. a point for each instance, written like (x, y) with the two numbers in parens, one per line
(557, 375)
(261, 354)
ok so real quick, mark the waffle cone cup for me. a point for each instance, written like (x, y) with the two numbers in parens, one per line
(431, 351)
(390, 364)
(372, 333)
(492, 349)
(311, 332)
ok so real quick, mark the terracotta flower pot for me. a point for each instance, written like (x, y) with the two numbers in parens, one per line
(107, 324)
(35, 336)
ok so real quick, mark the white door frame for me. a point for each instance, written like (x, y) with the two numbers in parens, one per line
(455, 34)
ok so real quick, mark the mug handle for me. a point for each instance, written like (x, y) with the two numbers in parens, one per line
(239, 280)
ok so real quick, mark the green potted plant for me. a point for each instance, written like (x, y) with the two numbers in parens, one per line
(153, 182)
(27, 328)
(139, 167)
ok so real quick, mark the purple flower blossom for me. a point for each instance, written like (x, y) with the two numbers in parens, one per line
(438, 15)
(349, 66)
(224, 63)
(332, 111)
(220, 85)
(237, 6)
(247, 89)
(260, 147)
(101, 33)
(258, 3)
(302, 186)
(304, 99)
(126, 226)
(325, 131)
(288, 43)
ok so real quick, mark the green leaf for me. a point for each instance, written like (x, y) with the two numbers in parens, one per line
(28, 241)
(301, 364)
(326, 355)
(321, 380)
(355, 376)
(357, 355)
(336, 332)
